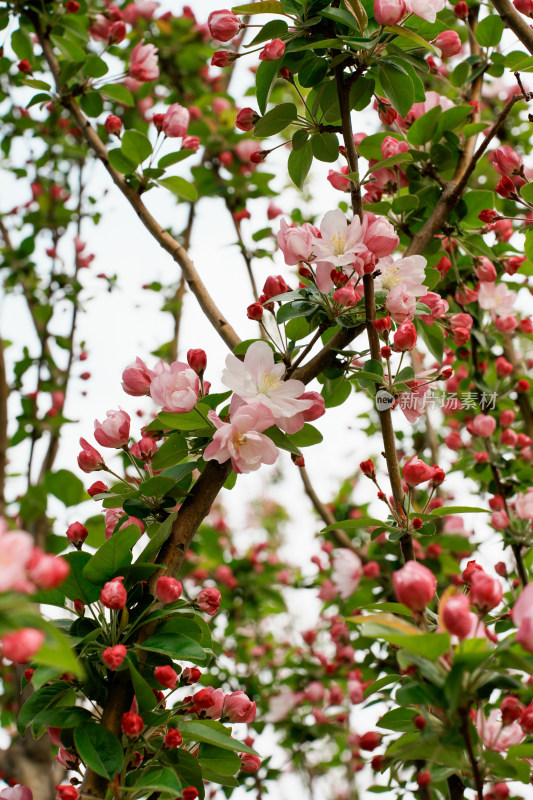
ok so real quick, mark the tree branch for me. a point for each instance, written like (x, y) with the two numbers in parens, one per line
(515, 21)
(4, 392)
(323, 511)
(163, 238)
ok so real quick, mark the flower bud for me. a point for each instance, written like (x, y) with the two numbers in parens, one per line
(389, 12)
(77, 533)
(416, 471)
(246, 119)
(272, 51)
(405, 336)
(131, 724)
(98, 487)
(168, 589)
(113, 594)
(461, 10)
(89, 460)
(113, 657)
(208, 600)
(368, 468)
(255, 311)
(223, 25)
(449, 43)
(414, 585)
(456, 615)
(166, 676)
(173, 739)
(197, 360)
(506, 161)
(485, 591)
(113, 125)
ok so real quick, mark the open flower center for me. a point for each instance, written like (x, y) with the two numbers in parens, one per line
(239, 439)
(267, 382)
(391, 277)
(338, 243)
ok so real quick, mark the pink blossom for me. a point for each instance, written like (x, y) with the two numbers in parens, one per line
(214, 711)
(223, 25)
(449, 43)
(17, 792)
(142, 9)
(340, 241)
(437, 306)
(414, 585)
(338, 179)
(409, 273)
(482, 425)
(380, 237)
(494, 734)
(522, 616)
(425, 9)
(296, 243)
(389, 12)
(280, 705)
(506, 161)
(114, 431)
(496, 298)
(176, 388)
(16, 548)
(99, 28)
(433, 99)
(413, 403)
(143, 62)
(21, 645)
(259, 380)
(400, 304)
(523, 505)
(246, 148)
(347, 571)
(47, 571)
(241, 439)
(176, 121)
(296, 421)
(238, 707)
(208, 600)
(272, 51)
(89, 459)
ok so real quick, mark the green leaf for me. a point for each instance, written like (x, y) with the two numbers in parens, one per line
(423, 128)
(68, 49)
(209, 731)
(489, 31)
(405, 374)
(281, 439)
(118, 160)
(158, 535)
(413, 37)
(275, 29)
(445, 510)
(261, 7)
(45, 697)
(450, 119)
(95, 67)
(170, 453)
(433, 338)
(66, 486)
(180, 187)
(397, 86)
(191, 421)
(218, 759)
(156, 486)
(299, 164)
(160, 779)
(173, 158)
(119, 93)
(92, 104)
(398, 719)
(430, 645)
(99, 749)
(352, 524)
(313, 73)
(325, 146)
(112, 556)
(76, 586)
(62, 717)
(391, 161)
(306, 437)
(336, 392)
(180, 647)
(361, 93)
(276, 120)
(22, 44)
(527, 192)
(136, 146)
(475, 201)
(35, 84)
(265, 77)
(358, 10)
(143, 691)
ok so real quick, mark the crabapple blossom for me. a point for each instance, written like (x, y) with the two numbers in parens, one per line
(494, 734)
(114, 431)
(389, 12)
(414, 585)
(416, 471)
(113, 594)
(113, 657)
(176, 121)
(238, 707)
(296, 243)
(89, 459)
(223, 25)
(258, 380)
(522, 616)
(241, 440)
(143, 62)
(21, 645)
(168, 589)
(347, 571)
(208, 600)
(16, 550)
(456, 615)
(176, 388)
(496, 298)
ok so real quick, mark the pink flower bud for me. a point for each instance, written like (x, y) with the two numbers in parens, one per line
(113, 125)
(168, 589)
(66, 791)
(143, 62)
(506, 418)
(144, 449)
(388, 12)
(222, 58)
(89, 460)
(166, 676)
(485, 591)
(208, 601)
(197, 360)
(176, 389)
(505, 187)
(499, 520)
(173, 739)
(77, 533)
(456, 616)
(131, 724)
(246, 119)
(318, 409)
(461, 10)
(255, 311)
(238, 708)
(416, 471)
(506, 161)
(117, 32)
(113, 657)
(524, 6)
(20, 645)
(98, 487)
(449, 43)
(176, 121)
(338, 180)
(136, 379)
(249, 762)
(482, 425)
(414, 585)
(272, 51)
(274, 285)
(113, 594)
(485, 270)
(405, 336)
(223, 25)
(191, 675)
(47, 571)
(114, 431)
(346, 296)
(392, 147)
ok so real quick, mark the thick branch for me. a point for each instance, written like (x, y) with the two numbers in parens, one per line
(326, 357)
(465, 732)
(456, 789)
(163, 238)
(515, 21)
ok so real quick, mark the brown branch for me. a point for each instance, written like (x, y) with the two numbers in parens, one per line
(327, 356)
(341, 538)
(515, 21)
(4, 392)
(163, 238)
(456, 789)
(465, 732)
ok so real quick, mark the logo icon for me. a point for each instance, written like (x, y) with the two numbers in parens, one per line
(384, 400)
